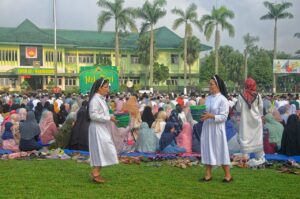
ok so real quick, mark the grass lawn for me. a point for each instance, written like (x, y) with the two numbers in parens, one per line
(68, 179)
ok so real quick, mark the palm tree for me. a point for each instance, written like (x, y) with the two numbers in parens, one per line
(249, 42)
(276, 11)
(212, 22)
(151, 13)
(297, 35)
(123, 17)
(193, 51)
(187, 18)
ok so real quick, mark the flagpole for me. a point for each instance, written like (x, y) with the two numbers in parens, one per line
(55, 54)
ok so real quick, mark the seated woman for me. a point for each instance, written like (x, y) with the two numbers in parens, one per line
(147, 141)
(159, 124)
(290, 142)
(30, 131)
(184, 139)
(167, 140)
(275, 129)
(62, 138)
(48, 128)
(8, 141)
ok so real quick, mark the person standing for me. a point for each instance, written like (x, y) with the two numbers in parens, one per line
(101, 147)
(214, 148)
(250, 105)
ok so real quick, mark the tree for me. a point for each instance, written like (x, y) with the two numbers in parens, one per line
(212, 22)
(187, 18)
(161, 72)
(143, 52)
(151, 13)
(249, 42)
(123, 17)
(276, 11)
(193, 51)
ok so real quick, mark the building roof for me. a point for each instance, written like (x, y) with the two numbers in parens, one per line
(28, 33)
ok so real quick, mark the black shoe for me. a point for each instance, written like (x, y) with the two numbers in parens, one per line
(227, 180)
(206, 179)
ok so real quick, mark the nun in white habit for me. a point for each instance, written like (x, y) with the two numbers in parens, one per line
(214, 148)
(101, 147)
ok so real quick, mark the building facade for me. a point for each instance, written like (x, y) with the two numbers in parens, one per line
(27, 53)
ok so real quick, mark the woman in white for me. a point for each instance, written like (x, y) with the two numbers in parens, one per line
(159, 123)
(250, 105)
(101, 146)
(214, 148)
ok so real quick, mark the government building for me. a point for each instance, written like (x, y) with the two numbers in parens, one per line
(26, 53)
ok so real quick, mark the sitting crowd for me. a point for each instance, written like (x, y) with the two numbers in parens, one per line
(158, 123)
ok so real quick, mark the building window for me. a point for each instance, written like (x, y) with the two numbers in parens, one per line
(4, 82)
(70, 58)
(8, 55)
(86, 58)
(104, 59)
(174, 59)
(135, 80)
(70, 81)
(50, 56)
(134, 59)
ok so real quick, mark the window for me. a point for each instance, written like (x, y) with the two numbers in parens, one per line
(172, 81)
(4, 82)
(8, 55)
(70, 81)
(50, 56)
(174, 59)
(70, 58)
(135, 80)
(104, 59)
(134, 59)
(86, 58)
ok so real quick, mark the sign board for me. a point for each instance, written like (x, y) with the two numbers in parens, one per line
(89, 74)
(286, 66)
(34, 71)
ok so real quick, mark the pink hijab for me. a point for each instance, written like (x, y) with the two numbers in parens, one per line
(184, 139)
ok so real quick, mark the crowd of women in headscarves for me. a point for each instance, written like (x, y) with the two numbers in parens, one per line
(158, 123)
(31, 122)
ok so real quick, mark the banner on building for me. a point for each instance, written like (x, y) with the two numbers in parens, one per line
(31, 52)
(89, 74)
(286, 66)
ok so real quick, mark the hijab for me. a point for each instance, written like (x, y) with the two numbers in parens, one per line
(147, 116)
(275, 129)
(167, 137)
(249, 94)
(29, 128)
(7, 132)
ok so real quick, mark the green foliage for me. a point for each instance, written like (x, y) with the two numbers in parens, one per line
(143, 50)
(72, 89)
(161, 72)
(193, 49)
(25, 85)
(50, 85)
(260, 68)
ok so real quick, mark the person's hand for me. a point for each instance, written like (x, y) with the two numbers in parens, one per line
(206, 116)
(113, 119)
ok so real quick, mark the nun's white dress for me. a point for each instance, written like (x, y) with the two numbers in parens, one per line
(102, 149)
(214, 148)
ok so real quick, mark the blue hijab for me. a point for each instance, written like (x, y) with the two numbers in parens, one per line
(7, 133)
(167, 137)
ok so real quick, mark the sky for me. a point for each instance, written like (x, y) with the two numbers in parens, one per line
(83, 14)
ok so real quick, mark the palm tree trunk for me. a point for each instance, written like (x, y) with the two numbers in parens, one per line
(275, 54)
(151, 55)
(246, 64)
(117, 49)
(184, 57)
(217, 44)
(190, 75)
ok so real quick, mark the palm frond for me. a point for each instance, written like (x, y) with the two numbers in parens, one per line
(297, 35)
(179, 12)
(229, 27)
(103, 19)
(159, 3)
(267, 16)
(177, 23)
(145, 27)
(297, 52)
(208, 29)
(198, 24)
(285, 15)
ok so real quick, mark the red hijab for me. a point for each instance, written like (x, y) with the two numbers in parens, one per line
(249, 94)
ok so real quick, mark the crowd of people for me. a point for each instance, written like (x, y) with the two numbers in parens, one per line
(248, 122)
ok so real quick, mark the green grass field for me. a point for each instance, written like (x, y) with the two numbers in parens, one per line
(68, 179)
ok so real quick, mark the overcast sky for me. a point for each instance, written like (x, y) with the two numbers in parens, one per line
(83, 14)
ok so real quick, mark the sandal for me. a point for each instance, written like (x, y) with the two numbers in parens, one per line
(206, 179)
(97, 178)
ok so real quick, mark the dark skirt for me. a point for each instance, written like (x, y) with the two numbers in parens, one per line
(29, 145)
